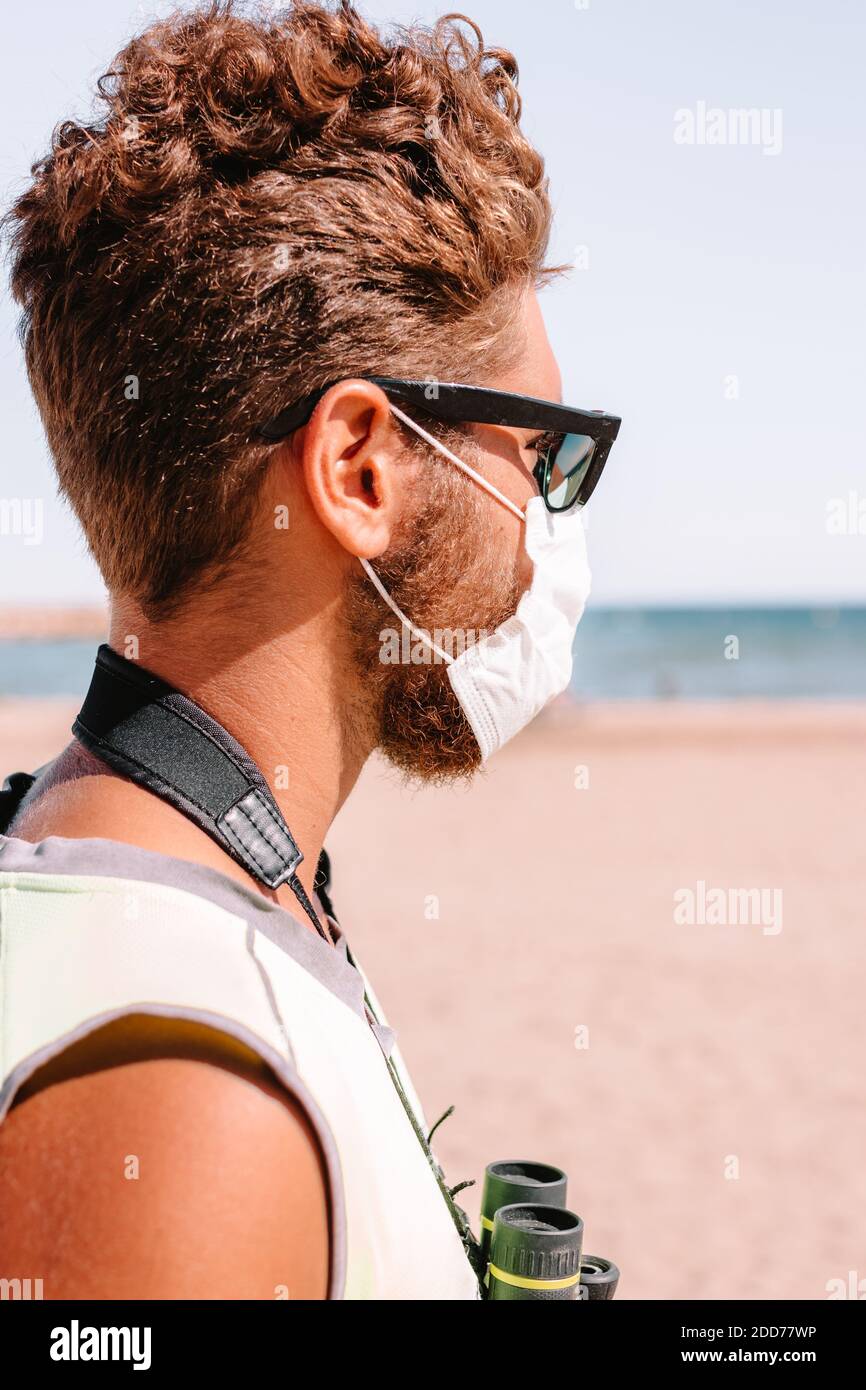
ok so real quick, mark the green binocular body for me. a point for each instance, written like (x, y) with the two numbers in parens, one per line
(531, 1244)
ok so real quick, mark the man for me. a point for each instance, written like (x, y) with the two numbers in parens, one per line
(246, 292)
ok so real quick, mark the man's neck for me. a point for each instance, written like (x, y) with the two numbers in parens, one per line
(280, 700)
(283, 699)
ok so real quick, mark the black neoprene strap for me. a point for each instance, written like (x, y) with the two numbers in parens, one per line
(159, 738)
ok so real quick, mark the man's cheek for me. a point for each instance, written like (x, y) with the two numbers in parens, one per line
(524, 570)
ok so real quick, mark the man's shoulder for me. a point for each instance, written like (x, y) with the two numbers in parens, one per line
(161, 1158)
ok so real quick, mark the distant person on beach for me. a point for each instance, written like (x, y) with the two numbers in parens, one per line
(280, 321)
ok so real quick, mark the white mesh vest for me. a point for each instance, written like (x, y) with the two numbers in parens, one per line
(91, 930)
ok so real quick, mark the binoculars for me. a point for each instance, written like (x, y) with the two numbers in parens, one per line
(531, 1244)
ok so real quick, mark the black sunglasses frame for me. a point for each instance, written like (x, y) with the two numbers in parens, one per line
(481, 405)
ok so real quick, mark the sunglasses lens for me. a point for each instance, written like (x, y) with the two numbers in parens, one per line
(570, 465)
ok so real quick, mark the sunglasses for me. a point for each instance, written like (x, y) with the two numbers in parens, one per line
(572, 448)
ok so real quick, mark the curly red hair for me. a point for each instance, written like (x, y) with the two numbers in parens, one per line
(267, 203)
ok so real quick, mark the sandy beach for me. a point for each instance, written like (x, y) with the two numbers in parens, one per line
(570, 955)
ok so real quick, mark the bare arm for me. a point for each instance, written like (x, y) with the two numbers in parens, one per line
(178, 1169)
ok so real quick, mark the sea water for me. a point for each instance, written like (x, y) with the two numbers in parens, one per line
(619, 653)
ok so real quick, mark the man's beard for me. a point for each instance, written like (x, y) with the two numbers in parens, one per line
(446, 573)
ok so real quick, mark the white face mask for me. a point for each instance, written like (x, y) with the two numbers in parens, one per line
(503, 681)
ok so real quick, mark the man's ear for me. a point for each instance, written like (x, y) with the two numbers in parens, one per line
(355, 466)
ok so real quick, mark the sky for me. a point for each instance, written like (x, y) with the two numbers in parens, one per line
(717, 301)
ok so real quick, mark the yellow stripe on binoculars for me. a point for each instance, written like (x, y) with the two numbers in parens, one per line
(520, 1283)
(488, 1225)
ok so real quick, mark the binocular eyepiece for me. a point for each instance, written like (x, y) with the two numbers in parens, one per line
(531, 1244)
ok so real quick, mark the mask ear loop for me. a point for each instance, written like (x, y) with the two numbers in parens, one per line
(415, 631)
(476, 477)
